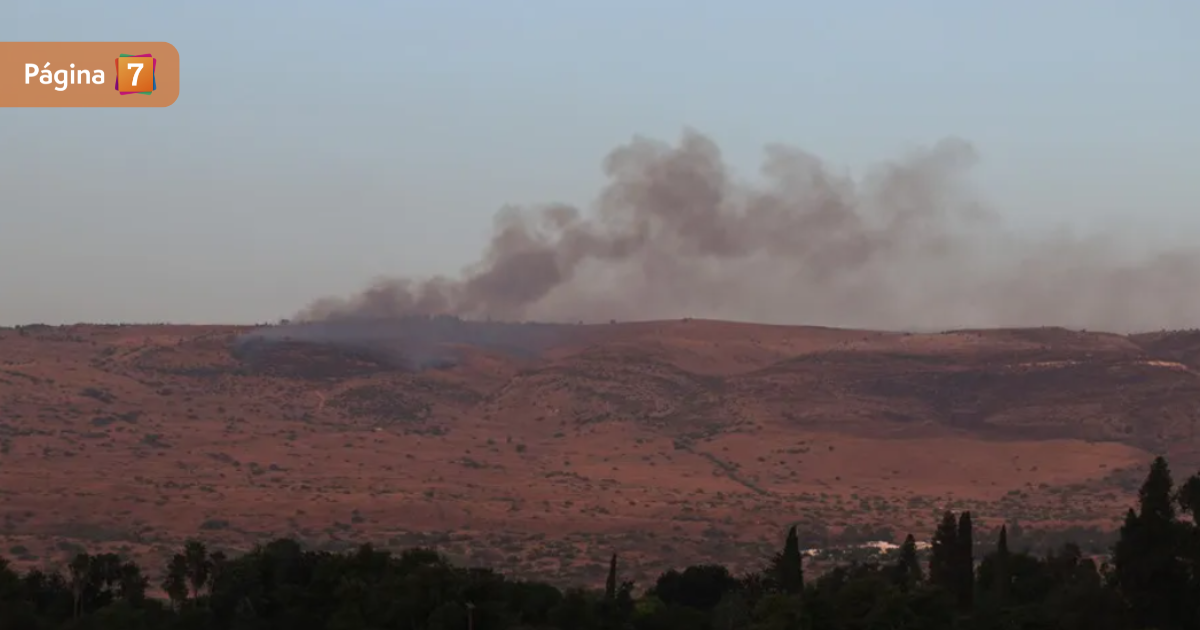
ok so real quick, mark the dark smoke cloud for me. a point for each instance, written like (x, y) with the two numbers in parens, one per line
(674, 233)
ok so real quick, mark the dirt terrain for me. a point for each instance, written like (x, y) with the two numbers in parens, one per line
(669, 442)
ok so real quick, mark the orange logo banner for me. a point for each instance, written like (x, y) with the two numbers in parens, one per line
(88, 74)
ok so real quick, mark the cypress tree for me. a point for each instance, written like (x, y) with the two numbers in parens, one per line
(610, 585)
(1148, 572)
(943, 552)
(965, 574)
(1002, 570)
(908, 568)
(791, 564)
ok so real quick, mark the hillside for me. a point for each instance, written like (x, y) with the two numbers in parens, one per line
(654, 439)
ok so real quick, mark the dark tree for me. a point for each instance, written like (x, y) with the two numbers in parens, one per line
(944, 554)
(175, 583)
(610, 584)
(907, 570)
(199, 566)
(700, 587)
(1003, 576)
(1149, 573)
(1154, 584)
(965, 563)
(789, 566)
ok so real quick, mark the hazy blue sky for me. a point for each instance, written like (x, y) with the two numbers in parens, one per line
(315, 146)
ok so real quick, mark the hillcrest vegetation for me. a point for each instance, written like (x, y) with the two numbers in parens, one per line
(1151, 581)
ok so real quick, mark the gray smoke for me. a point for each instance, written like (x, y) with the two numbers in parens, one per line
(675, 234)
(412, 341)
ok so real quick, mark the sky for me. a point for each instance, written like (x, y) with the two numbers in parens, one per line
(315, 147)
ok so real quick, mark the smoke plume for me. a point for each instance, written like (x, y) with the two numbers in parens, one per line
(675, 234)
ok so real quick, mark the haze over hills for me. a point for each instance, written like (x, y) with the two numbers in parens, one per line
(647, 437)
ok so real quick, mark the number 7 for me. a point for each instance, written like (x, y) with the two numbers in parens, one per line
(135, 72)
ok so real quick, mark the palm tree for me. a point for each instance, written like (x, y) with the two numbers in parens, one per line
(199, 566)
(175, 583)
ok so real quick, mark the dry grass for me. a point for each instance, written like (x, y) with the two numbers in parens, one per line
(667, 441)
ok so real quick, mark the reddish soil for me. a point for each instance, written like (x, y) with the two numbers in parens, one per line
(670, 442)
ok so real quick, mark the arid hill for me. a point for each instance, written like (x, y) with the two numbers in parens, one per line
(652, 439)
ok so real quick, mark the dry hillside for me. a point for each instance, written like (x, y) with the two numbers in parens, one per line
(667, 441)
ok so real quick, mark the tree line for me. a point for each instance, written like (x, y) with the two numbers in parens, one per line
(1151, 582)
